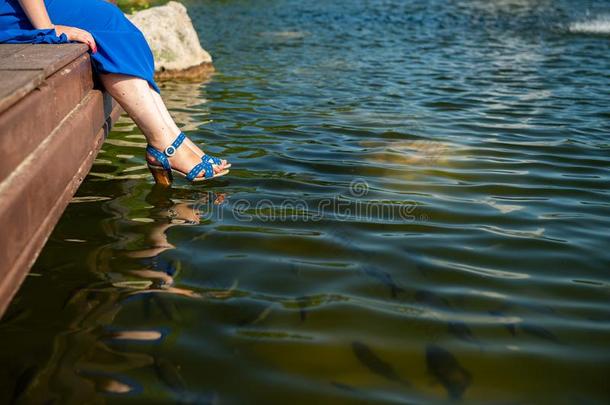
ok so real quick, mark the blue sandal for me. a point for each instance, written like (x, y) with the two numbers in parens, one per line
(214, 160)
(164, 174)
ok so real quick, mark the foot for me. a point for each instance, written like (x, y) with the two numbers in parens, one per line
(183, 160)
(224, 164)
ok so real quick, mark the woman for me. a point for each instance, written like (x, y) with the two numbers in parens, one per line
(124, 63)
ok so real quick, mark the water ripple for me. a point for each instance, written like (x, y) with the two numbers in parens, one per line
(419, 192)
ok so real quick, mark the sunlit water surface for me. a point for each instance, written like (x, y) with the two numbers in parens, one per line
(418, 210)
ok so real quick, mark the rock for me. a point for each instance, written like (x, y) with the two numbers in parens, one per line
(174, 42)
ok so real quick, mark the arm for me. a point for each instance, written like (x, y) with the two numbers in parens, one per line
(38, 16)
(37, 13)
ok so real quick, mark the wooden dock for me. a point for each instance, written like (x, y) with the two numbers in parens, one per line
(53, 121)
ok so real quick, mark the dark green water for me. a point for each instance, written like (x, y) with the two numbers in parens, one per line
(418, 210)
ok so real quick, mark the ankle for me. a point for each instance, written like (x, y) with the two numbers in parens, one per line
(162, 142)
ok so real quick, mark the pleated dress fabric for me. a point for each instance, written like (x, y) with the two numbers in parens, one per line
(121, 47)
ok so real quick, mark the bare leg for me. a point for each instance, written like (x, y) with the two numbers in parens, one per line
(169, 121)
(134, 95)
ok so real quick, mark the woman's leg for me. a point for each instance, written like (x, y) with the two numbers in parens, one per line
(134, 95)
(172, 125)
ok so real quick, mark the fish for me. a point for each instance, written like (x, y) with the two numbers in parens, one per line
(371, 361)
(462, 331)
(226, 293)
(508, 325)
(447, 370)
(528, 328)
(457, 328)
(385, 279)
(533, 307)
(261, 316)
(432, 299)
(538, 331)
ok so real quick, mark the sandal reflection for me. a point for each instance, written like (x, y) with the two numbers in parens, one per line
(159, 271)
(93, 355)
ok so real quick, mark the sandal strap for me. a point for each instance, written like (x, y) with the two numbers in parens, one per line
(160, 156)
(170, 151)
(211, 159)
(206, 166)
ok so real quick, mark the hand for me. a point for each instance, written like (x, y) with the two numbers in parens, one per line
(78, 35)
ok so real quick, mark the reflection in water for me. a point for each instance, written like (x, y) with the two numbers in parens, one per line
(185, 100)
(459, 149)
(596, 25)
(285, 35)
(90, 354)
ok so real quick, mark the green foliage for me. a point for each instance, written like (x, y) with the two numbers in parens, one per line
(130, 6)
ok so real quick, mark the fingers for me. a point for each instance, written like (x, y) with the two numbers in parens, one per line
(78, 35)
(86, 38)
(90, 41)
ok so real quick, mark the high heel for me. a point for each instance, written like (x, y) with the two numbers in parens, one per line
(164, 174)
(161, 176)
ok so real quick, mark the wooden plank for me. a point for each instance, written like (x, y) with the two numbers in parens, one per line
(52, 125)
(15, 84)
(71, 84)
(7, 50)
(48, 57)
(35, 197)
(29, 121)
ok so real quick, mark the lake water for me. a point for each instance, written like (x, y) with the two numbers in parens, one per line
(418, 210)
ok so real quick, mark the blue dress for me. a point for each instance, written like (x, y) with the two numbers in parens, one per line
(121, 47)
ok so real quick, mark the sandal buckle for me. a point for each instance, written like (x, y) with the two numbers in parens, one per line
(170, 151)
